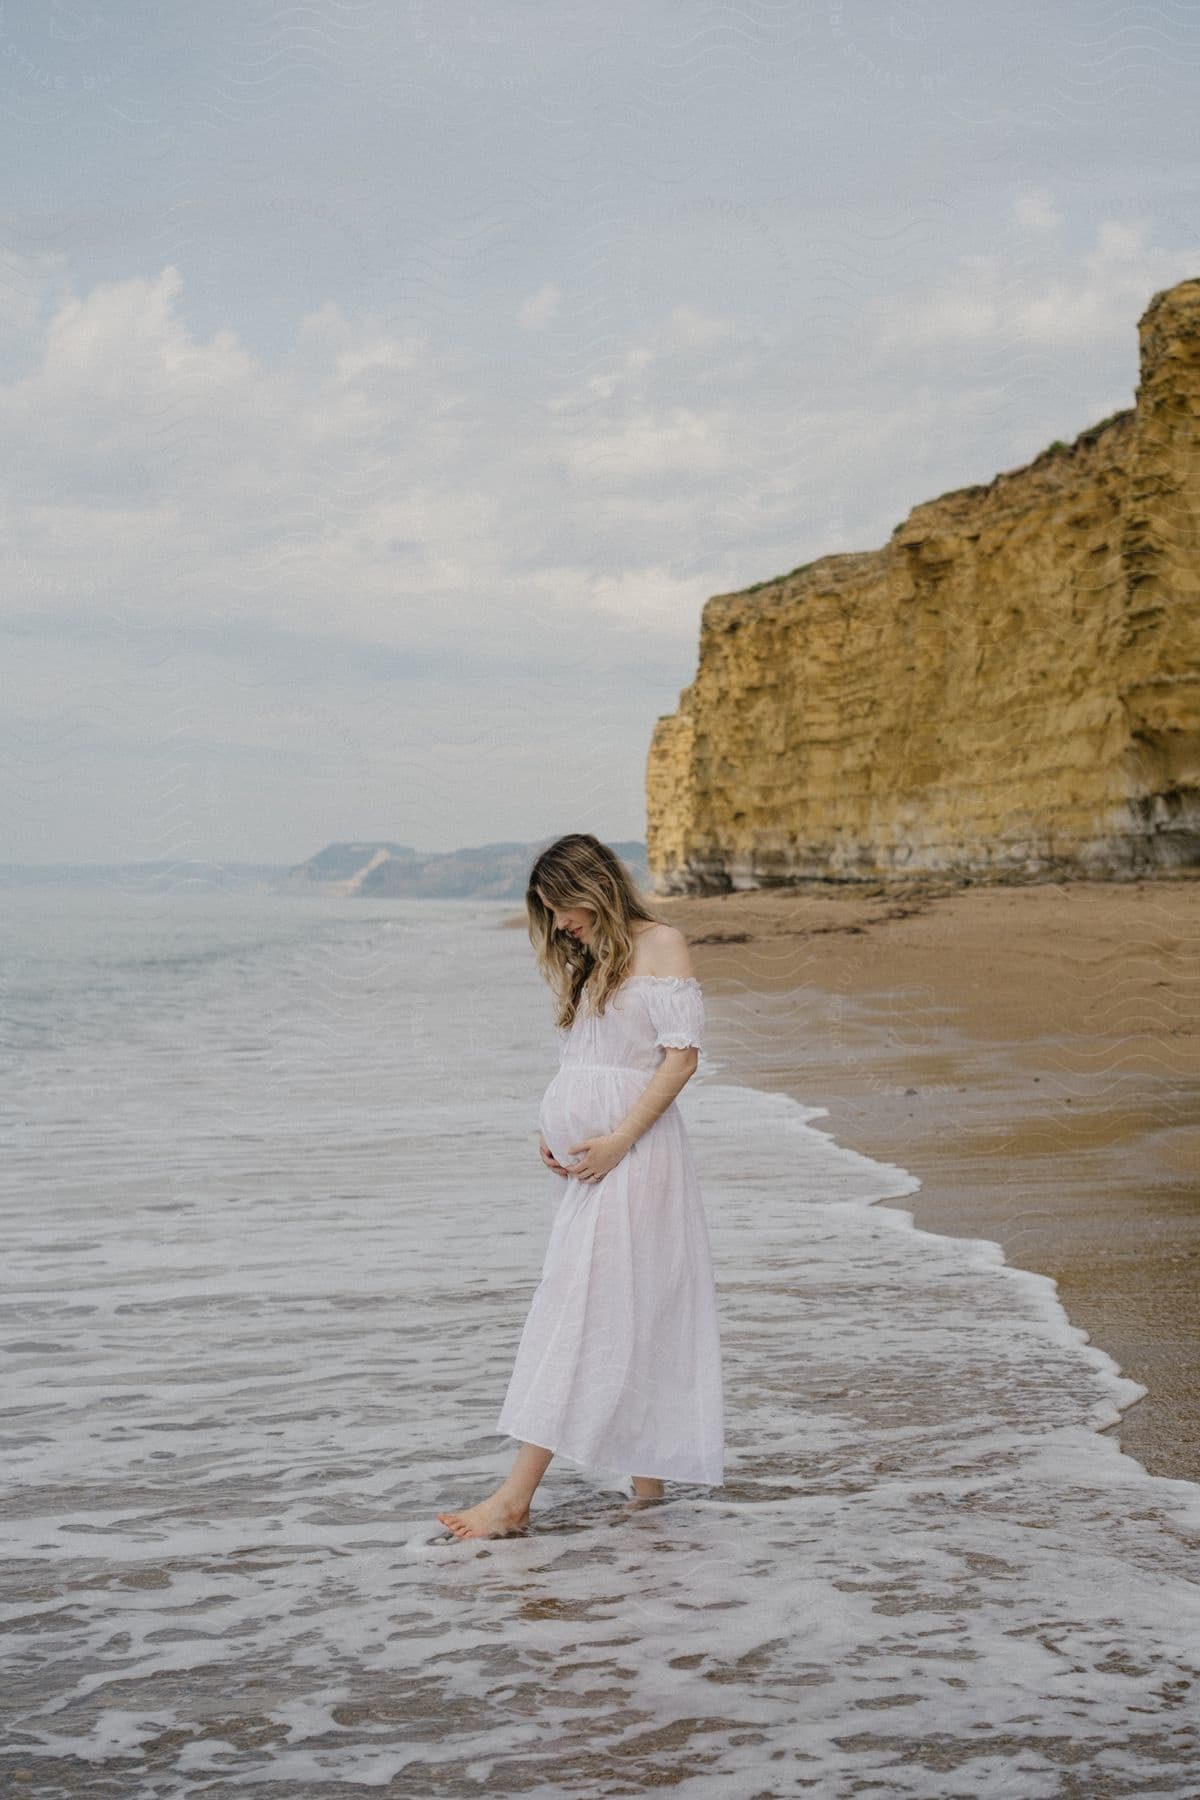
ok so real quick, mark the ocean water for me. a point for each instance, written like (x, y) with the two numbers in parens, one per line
(272, 1217)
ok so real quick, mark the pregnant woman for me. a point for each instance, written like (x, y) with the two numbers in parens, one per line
(619, 1364)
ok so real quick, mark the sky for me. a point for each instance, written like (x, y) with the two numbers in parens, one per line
(384, 387)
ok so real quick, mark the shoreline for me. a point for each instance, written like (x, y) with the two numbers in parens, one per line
(1030, 1054)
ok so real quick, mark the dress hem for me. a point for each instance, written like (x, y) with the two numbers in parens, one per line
(590, 1462)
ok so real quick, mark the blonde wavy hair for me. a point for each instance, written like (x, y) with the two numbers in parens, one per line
(578, 870)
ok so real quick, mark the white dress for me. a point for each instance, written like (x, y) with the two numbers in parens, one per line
(619, 1364)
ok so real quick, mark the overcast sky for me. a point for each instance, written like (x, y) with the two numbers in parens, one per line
(386, 386)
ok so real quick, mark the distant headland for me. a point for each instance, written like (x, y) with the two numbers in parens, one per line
(370, 868)
(377, 870)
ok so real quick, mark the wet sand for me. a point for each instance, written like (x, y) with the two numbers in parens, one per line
(1031, 1053)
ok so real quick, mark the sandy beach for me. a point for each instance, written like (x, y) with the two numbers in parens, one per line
(1031, 1053)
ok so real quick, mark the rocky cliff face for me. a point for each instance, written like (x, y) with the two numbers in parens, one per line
(1011, 684)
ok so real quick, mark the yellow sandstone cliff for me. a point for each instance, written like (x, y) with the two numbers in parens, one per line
(1010, 686)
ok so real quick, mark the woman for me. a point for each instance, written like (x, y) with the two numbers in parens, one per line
(619, 1364)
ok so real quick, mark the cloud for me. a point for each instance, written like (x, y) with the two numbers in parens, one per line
(29, 281)
(196, 479)
(654, 444)
(365, 488)
(1037, 212)
(622, 425)
(536, 313)
(688, 329)
(653, 597)
(990, 300)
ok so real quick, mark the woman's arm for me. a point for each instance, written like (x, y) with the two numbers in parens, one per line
(669, 1080)
(600, 1154)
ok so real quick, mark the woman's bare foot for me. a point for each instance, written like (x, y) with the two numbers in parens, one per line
(497, 1516)
(648, 1490)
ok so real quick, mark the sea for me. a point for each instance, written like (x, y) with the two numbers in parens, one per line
(273, 1215)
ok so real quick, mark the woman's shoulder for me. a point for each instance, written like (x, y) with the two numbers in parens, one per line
(661, 949)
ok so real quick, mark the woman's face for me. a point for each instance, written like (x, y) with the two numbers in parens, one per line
(576, 920)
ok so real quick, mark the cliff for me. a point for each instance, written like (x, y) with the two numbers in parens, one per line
(1010, 686)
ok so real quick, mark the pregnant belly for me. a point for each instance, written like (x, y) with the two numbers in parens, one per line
(588, 1103)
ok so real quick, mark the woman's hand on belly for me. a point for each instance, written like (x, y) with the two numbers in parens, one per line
(549, 1160)
(599, 1155)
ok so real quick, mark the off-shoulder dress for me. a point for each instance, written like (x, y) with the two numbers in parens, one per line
(619, 1363)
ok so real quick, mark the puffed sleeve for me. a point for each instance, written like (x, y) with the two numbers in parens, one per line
(677, 1010)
